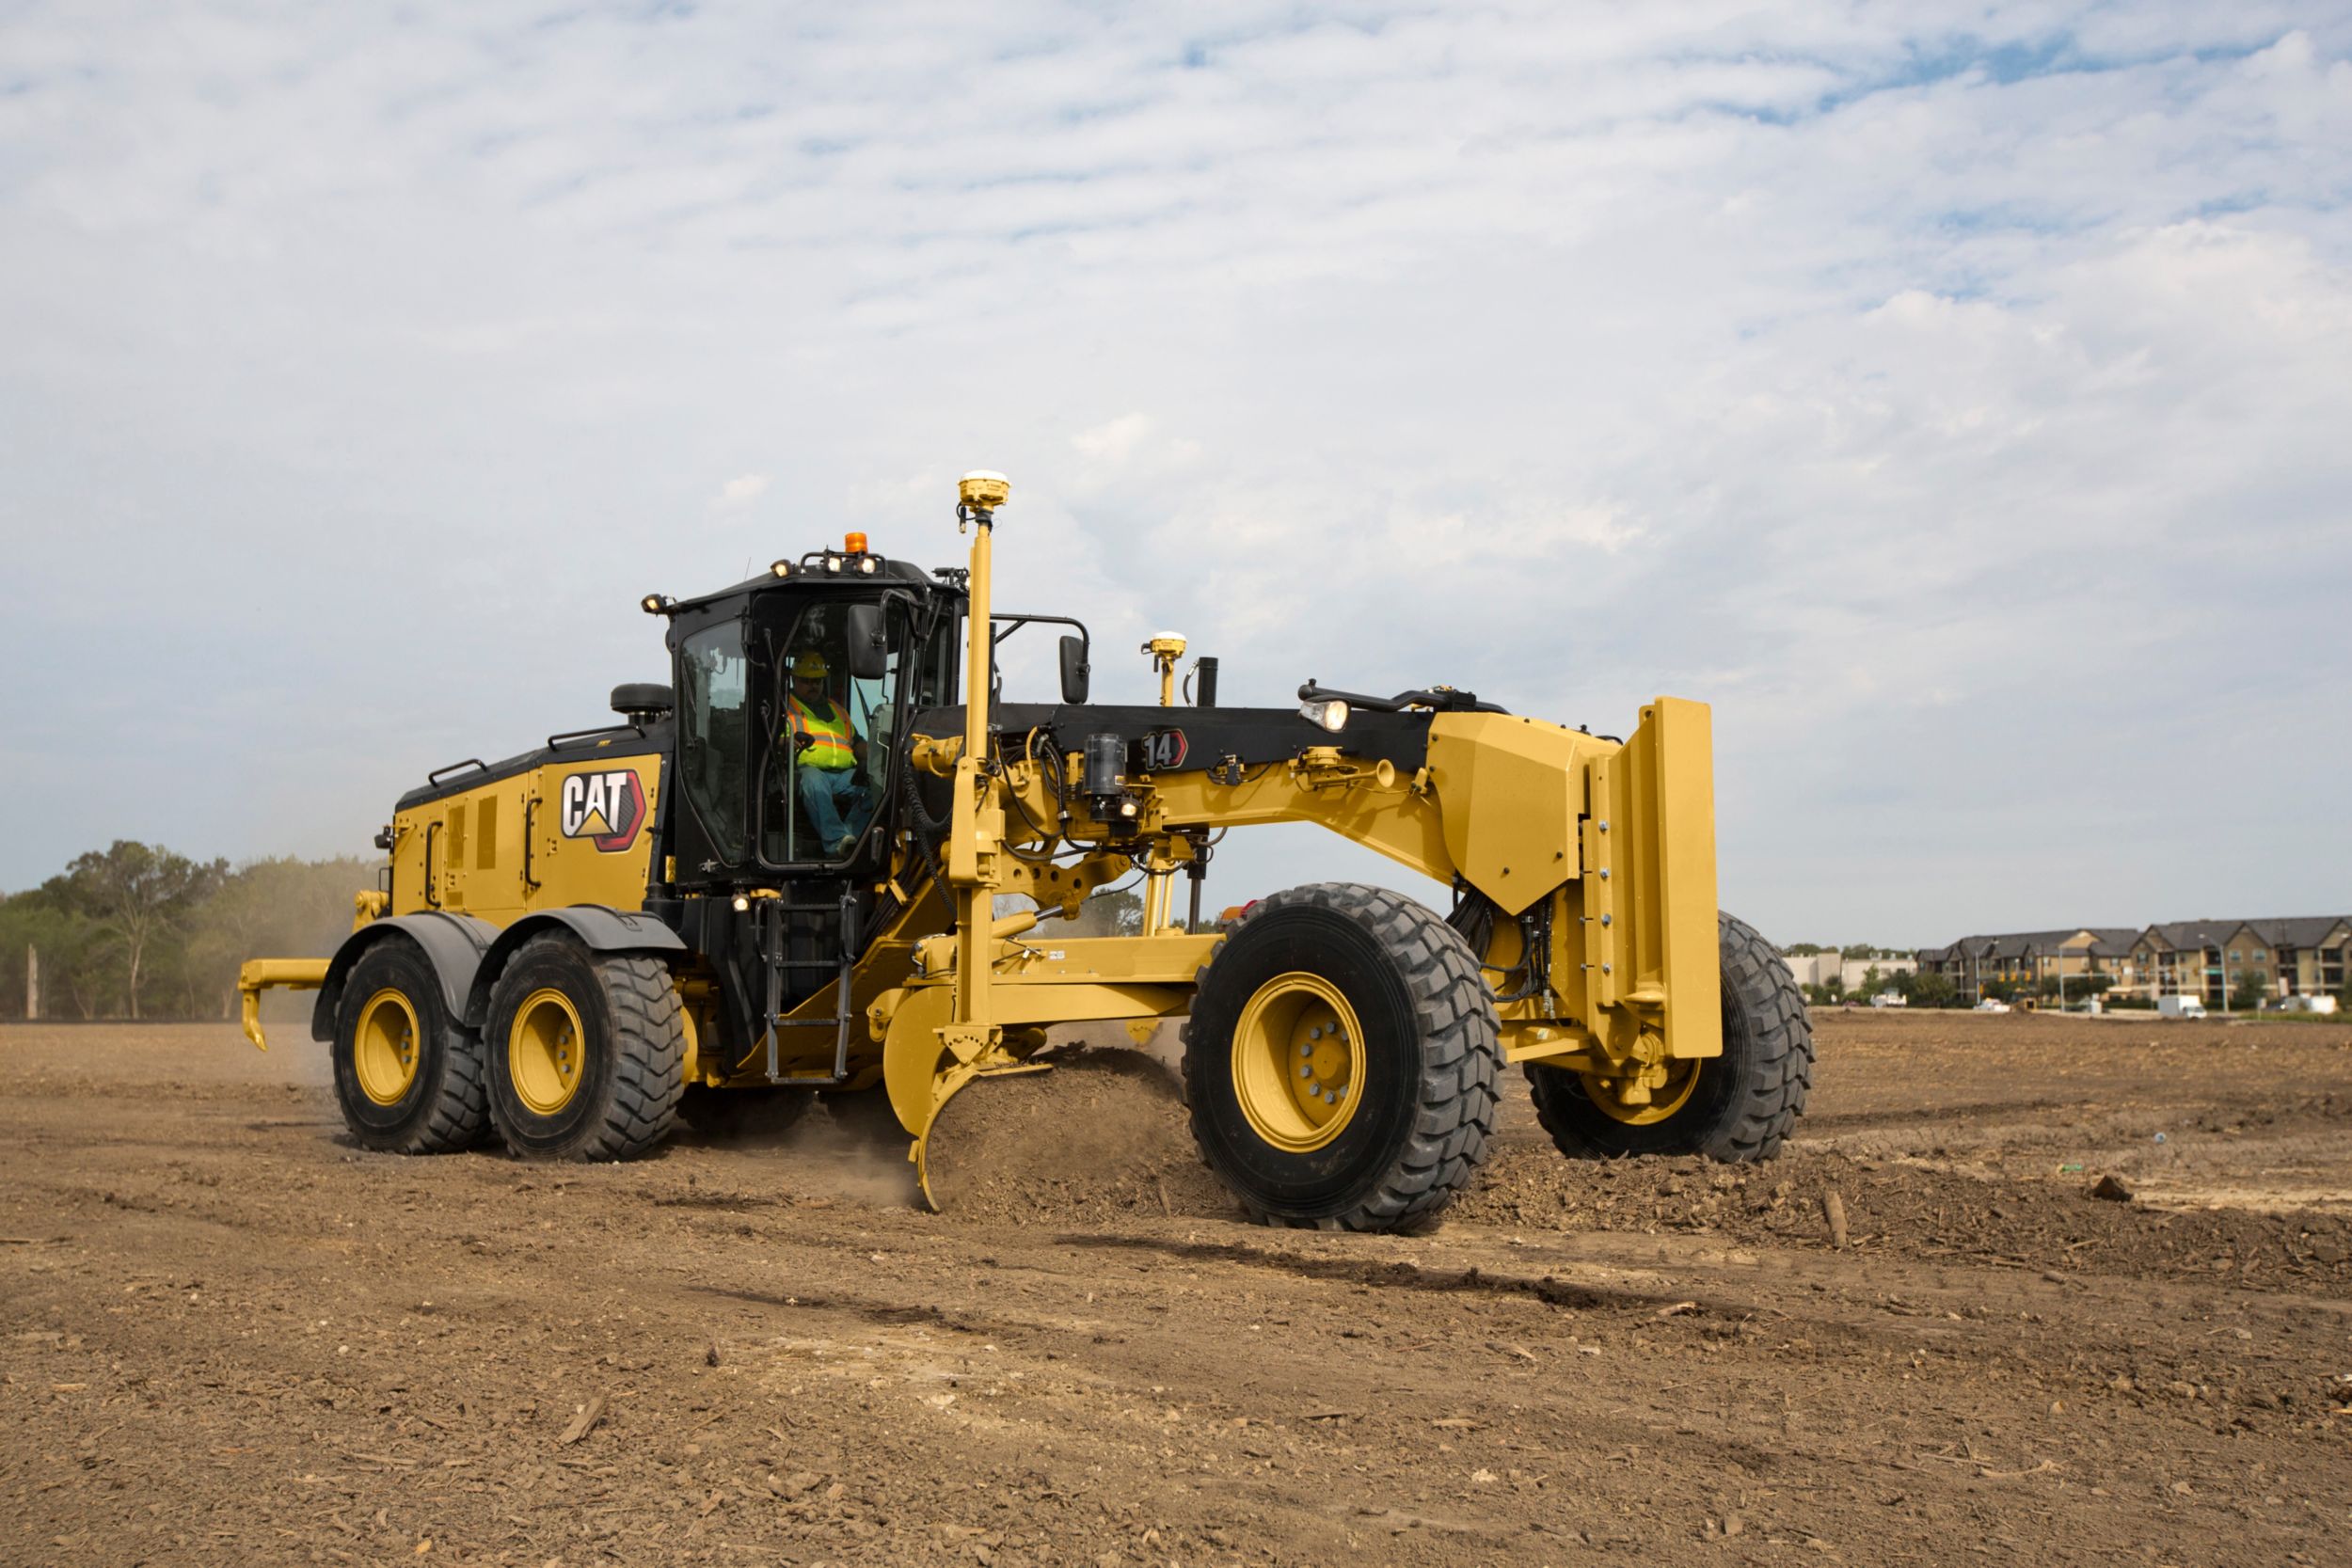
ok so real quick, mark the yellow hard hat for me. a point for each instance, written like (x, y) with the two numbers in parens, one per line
(811, 665)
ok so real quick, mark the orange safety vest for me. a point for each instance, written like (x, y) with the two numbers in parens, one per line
(829, 737)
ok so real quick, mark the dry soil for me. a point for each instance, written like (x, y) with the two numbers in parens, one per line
(228, 1336)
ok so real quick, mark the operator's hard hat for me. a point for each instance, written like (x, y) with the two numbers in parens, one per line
(811, 665)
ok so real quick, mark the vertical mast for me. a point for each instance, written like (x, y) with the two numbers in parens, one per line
(979, 817)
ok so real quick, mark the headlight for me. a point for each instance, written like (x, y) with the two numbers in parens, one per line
(1332, 714)
(867, 564)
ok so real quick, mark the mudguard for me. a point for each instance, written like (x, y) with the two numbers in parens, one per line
(598, 927)
(455, 944)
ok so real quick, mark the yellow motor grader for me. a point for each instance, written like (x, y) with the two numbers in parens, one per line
(789, 870)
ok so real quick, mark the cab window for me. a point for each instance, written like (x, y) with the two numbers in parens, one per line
(714, 732)
(836, 735)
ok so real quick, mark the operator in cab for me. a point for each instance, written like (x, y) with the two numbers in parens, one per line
(828, 755)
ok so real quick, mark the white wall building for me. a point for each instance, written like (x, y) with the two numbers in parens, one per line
(1815, 969)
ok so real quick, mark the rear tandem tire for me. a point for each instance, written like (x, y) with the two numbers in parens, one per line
(408, 1078)
(1745, 1101)
(586, 1051)
(1341, 1060)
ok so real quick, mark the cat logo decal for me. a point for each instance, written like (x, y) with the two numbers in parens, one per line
(607, 809)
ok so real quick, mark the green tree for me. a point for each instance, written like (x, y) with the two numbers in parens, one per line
(2248, 987)
(1121, 910)
(1858, 950)
(139, 894)
(76, 978)
(276, 908)
(187, 958)
(1801, 950)
(1106, 912)
(1933, 990)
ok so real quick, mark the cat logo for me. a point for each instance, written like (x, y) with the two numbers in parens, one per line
(606, 809)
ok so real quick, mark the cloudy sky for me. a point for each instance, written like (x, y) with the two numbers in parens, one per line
(1957, 397)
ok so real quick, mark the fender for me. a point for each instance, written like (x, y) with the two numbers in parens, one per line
(455, 944)
(598, 927)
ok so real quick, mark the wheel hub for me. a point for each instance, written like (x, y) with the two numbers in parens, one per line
(384, 1049)
(1299, 1062)
(1644, 1095)
(545, 1055)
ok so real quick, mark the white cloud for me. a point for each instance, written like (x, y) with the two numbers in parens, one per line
(739, 492)
(1952, 395)
(1113, 442)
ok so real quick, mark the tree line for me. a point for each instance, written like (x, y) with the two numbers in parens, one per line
(1917, 988)
(140, 931)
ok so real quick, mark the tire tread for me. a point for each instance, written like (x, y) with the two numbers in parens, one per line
(1460, 1062)
(1765, 1112)
(647, 1077)
(459, 1116)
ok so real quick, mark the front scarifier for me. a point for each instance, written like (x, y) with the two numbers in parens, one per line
(783, 875)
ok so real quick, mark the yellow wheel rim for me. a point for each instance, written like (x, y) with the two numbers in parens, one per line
(1299, 1062)
(1682, 1076)
(384, 1051)
(545, 1051)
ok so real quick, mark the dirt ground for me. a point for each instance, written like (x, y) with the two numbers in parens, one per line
(228, 1336)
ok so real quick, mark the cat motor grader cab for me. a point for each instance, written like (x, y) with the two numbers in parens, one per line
(788, 872)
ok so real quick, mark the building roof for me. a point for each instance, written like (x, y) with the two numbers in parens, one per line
(2299, 930)
(2106, 942)
(2277, 931)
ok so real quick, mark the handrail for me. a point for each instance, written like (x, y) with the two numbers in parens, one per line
(554, 741)
(1442, 698)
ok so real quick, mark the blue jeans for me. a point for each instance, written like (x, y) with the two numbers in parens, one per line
(839, 806)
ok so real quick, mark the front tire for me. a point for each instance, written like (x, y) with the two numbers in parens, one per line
(586, 1051)
(1738, 1107)
(407, 1075)
(1341, 1060)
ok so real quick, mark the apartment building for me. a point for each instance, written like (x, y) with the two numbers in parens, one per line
(2028, 957)
(2294, 956)
(1820, 969)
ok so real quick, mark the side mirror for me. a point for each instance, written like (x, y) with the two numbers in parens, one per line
(869, 652)
(1074, 670)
